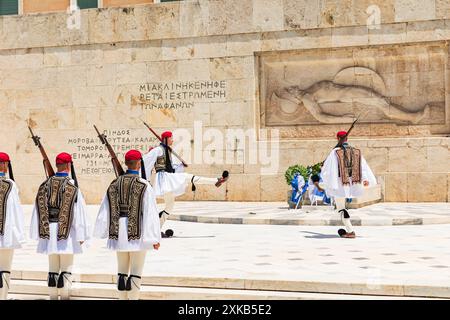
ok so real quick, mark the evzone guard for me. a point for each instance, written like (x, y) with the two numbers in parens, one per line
(128, 218)
(12, 232)
(170, 182)
(345, 173)
(60, 224)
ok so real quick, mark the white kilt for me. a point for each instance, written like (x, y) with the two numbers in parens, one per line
(332, 181)
(165, 182)
(53, 246)
(80, 231)
(14, 233)
(170, 182)
(150, 226)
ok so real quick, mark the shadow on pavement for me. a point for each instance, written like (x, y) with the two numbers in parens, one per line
(193, 237)
(316, 235)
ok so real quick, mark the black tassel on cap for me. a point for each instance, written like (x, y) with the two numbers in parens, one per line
(10, 170)
(193, 185)
(143, 173)
(74, 176)
(169, 167)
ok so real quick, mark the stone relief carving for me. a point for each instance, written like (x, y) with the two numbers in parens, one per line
(323, 92)
(386, 85)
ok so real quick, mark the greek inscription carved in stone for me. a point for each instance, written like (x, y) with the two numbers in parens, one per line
(179, 95)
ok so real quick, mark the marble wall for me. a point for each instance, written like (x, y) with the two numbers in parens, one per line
(172, 64)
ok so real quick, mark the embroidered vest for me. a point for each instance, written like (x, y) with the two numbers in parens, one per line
(125, 196)
(164, 162)
(5, 189)
(349, 162)
(55, 201)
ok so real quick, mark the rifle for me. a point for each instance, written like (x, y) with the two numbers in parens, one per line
(342, 139)
(49, 172)
(115, 162)
(170, 149)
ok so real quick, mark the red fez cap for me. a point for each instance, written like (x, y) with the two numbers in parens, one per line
(166, 134)
(341, 134)
(133, 155)
(63, 158)
(4, 157)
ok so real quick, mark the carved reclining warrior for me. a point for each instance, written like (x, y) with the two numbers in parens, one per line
(328, 91)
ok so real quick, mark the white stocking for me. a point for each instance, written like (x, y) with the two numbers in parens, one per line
(137, 260)
(6, 256)
(169, 202)
(123, 267)
(66, 263)
(200, 179)
(53, 268)
(345, 217)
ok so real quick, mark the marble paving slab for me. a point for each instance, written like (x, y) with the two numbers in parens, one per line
(277, 213)
(400, 260)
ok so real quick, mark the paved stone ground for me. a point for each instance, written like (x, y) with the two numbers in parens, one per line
(402, 255)
(276, 213)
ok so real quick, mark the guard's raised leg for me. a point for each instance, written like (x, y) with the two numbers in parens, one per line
(345, 218)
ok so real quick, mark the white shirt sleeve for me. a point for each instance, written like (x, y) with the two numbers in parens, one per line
(101, 229)
(80, 223)
(330, 172)
(150, 220)
(176, 164)
(366, 173)
(150, 159)
(34, 225)
(18, 217)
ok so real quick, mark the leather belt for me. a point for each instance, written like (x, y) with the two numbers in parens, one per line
(164, 170)
(124, 210)
(53, 214)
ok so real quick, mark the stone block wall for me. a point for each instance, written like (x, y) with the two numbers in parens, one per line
(63, 80)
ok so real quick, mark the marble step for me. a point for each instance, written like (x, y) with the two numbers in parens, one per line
(37, 290)
(20, 296)
(340, 288)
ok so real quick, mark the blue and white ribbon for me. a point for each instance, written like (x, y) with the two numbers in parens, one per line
(299, 187)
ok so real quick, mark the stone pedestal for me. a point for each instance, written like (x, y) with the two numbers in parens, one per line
(371, 195)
